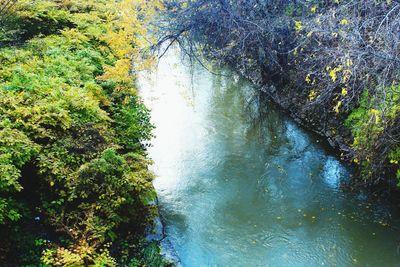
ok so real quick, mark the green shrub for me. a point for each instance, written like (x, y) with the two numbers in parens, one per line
(72, 131)
(374, 125)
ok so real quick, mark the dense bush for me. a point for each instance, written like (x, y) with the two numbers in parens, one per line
(74, 184)
(327, 60)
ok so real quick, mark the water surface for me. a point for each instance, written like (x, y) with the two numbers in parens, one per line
(240, 184)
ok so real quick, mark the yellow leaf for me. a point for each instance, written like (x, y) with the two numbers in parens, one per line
(344, 22)
(298, 26)
(346, 76)
(333, 72)
(312, 95)
(337, 107)
(308, 79)
(376, 114)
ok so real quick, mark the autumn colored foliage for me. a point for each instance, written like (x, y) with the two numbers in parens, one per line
(75, 189)
(333, 64)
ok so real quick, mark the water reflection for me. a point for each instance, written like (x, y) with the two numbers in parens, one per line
(241, 185)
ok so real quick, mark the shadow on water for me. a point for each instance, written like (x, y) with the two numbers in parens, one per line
(240, 184)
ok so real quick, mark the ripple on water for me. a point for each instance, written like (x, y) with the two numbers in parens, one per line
(242, 185)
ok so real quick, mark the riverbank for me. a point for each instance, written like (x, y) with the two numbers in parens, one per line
(324, 122)
(294, 106)
(333, 66)
(156, 234)
(75, 188)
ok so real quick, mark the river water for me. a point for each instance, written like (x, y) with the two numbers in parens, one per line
(240, 184)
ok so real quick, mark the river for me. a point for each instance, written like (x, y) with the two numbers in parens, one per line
(240, 184)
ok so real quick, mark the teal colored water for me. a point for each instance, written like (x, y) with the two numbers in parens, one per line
(240, 184)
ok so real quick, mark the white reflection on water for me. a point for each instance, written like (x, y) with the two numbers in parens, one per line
(244, 186)
(333, 172)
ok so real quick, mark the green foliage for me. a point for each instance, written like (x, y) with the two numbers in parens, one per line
(360, 122)
(78, 255)
(289, 11)
(372, 124)
(151, 255)
(15, 150)
(394, 159)
(72, 133)
(132, 123)
(32, 18)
